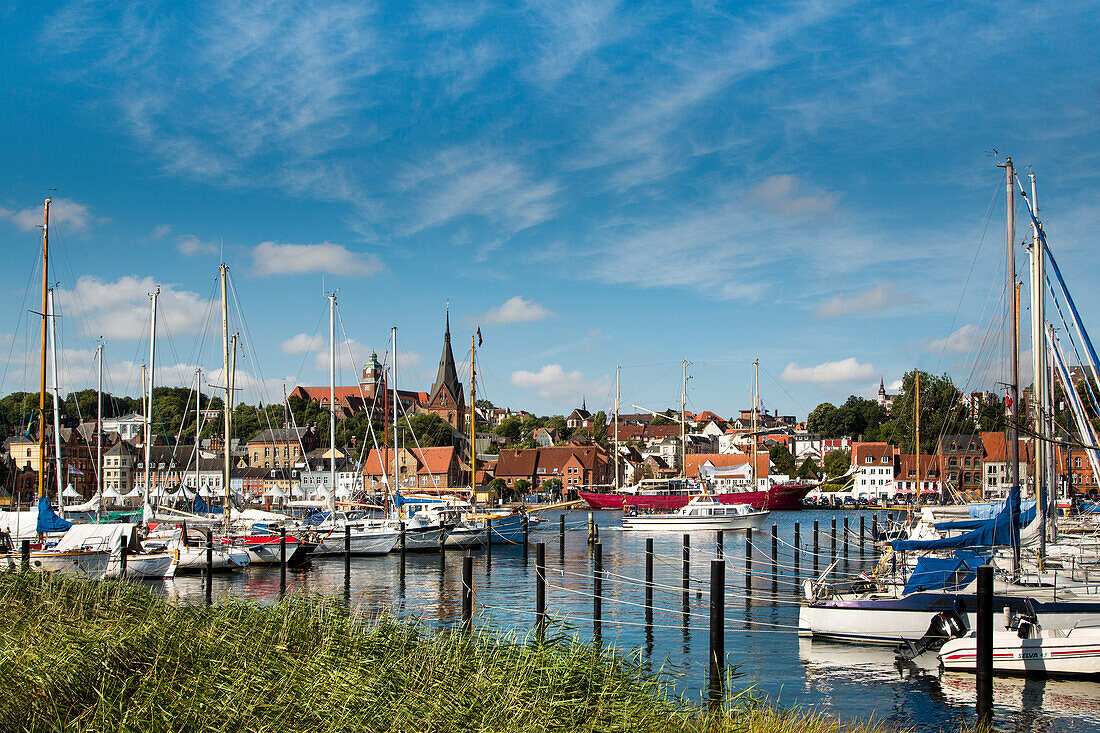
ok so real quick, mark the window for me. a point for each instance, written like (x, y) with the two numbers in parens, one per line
(869, 459)
(966, 461)
(28, 452)
(267, 452)
(953, 462)
(885, 459)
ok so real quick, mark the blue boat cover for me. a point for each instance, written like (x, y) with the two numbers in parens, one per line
(1000, 530)
(991, 509)
(945, 573)
(48, 521)
(1027, 515)
(201, 507)
(316, 518)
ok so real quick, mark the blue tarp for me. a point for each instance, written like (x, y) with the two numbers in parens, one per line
(316, 518)
(1001, 530)
(48, 521)
(950, 573)
(1027, 515)
(201, 507)
(991, 509)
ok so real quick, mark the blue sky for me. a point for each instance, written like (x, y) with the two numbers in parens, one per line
(593, 183)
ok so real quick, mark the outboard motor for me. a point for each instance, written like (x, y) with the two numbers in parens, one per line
(945, 625)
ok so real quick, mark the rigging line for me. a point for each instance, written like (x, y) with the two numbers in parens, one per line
(966, 282)
(775, 381)
(1076, 353)
(309, 349)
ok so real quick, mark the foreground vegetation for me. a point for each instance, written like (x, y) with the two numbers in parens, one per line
(98, 656)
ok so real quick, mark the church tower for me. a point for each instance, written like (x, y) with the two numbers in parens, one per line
(447, 399)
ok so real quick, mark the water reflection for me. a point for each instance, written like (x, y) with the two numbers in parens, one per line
(761, 605)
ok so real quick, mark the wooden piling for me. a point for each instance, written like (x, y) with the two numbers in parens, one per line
(540, 590)
(717, 630)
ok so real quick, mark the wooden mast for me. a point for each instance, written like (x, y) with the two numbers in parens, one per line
(473, 419)
(45, 325)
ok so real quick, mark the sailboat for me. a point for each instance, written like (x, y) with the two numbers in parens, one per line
(366, 537)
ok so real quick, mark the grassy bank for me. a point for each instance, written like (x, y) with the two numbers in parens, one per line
(110, 656)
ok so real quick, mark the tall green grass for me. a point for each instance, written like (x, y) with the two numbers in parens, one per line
(111, 656)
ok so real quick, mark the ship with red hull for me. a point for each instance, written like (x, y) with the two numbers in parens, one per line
(777, 497)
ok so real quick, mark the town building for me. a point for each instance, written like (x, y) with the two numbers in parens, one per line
(874, 466)
(281, 447)
(726, 472)
(885, 399)
(447, 400)
(961, 459)
(996, 465)
(918, 476)
(418, 468)
(574, 465)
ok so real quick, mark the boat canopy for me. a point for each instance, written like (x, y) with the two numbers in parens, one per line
(999, 530)
(945, 573)
(98, 537)
(48, 521)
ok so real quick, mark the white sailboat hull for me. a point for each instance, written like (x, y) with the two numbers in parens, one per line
(377, 542)
(84, 564)
(154, 565)
(1075, 653)
(192, 558)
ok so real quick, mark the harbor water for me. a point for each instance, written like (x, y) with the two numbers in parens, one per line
(847, 681)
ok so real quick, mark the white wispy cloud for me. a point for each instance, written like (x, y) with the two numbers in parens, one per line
(829, 372)
(276, 258)
(119, 309)
(555, 384)
(65, 212)
(961, 340)
(189, 245)
(299, 344)
(476, 181)
(571, 31)
(783, 194)
(160, 231)
(516, 310)
(871, 301)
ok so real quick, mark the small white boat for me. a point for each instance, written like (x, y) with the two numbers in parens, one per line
(701, 513)
(1040, 652)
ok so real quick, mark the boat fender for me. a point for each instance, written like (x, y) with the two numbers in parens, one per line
(808, 590)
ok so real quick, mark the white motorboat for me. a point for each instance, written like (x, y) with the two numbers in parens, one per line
(365, 540)
(701, 513)
(1030, 650)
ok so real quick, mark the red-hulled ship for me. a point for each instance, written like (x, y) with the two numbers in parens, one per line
(673, 494)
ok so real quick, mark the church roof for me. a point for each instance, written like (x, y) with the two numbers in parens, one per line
(447, 376)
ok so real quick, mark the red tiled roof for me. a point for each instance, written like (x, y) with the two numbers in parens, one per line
(996, 448)
(429, 460)
(647, 432)
(876, 451)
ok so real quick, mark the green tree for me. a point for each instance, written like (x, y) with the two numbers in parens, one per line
(836, 462)
(498, 485)
(943, 412)
(509, 428)
(484, 404)
(808, 469)
(782, 459)
(552, 487)
(824, 421)
(429, 430)
(522, 486)
(599, 427)
(663, 420)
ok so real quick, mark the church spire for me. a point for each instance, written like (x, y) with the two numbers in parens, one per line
(446, 379)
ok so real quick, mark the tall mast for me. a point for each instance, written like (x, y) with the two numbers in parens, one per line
(1014, 367)
(99, 429)
(227, 407)
(332, 406)
(42, 373)
(616, 427)
(916, 436)
(147, 509)
(683, 423)
(473, 417)
(232, 398)
(1039, 375)
(59, 465)
(198, 424)
(395, 486)
(755, 406)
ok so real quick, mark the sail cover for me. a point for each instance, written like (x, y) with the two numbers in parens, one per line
(945, 573)
(1000, 530)
(48, 521)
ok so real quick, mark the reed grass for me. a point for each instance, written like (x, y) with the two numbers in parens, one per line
(111, 656)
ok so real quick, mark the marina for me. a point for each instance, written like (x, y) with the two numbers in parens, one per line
(761, 628)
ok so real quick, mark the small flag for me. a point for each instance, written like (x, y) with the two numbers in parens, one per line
(1008, 399)
(479, 337)
(74, 471)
